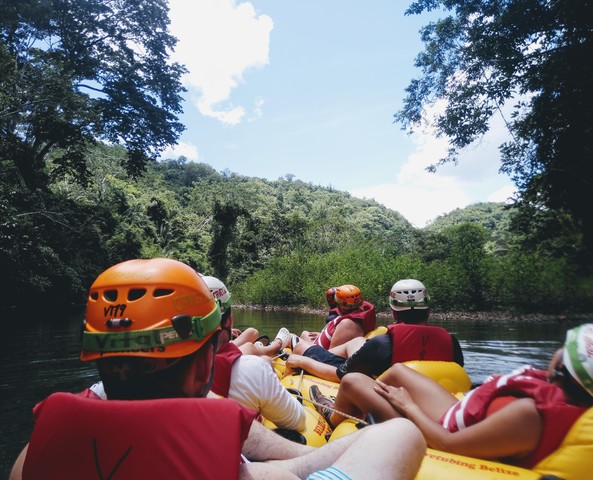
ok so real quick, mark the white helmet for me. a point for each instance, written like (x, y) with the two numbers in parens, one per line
(408, 294)
(219, 290)
(578, 355)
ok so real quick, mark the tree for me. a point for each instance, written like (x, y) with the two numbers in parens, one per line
(74, 72)
(529, 56)
(225, 216)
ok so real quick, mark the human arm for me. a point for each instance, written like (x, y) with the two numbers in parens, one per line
(17, 469)
(346, 330)
(513, 431)
(255, 385)
(314, 367)
(372, 358)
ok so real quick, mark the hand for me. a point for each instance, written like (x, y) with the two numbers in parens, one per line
(235, 332)
(398, 397)
(313, 336)
(294, 361)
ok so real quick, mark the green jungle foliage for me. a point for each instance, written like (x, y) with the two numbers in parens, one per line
(522, 61)
(77, 76)
(280, 243)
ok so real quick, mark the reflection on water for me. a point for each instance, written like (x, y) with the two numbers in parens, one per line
(489, 347)
(39, 358)
(494, 347)
(484, 358)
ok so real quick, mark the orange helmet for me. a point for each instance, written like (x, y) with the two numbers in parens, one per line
(348, 297)
(157, 308)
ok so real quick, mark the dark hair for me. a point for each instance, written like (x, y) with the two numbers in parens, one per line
(575, 390)
(414, 315)
(143, 378)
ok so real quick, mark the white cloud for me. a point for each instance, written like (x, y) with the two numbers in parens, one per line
(182, 149)
(418, 195)
(504, 194)
(258, 109)
(421, 196)
(218, 42)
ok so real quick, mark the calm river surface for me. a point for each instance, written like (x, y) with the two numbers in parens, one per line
(38, 358)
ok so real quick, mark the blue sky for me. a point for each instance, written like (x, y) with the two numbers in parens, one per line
(310, 88)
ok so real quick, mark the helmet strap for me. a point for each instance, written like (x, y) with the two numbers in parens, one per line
(184, 328)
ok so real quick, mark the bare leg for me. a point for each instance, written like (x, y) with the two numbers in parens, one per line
(431, 397)
(270, 350)
(358, 397)
(249, 335)
(303, 344)
(347, 349)
(396, 447)
(248, 349)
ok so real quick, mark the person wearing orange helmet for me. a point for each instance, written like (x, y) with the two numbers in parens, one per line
(350, 317)
(247, 379)
(409, 337)
(152, 327)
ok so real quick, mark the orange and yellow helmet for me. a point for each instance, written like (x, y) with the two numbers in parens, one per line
(157, 308)
(348, 297)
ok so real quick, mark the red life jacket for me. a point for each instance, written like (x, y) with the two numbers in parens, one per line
(182, 438)
(557, 415)
(420, 342)
(364, 315)
(223, 363)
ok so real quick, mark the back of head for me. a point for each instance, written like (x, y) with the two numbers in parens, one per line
(145, 317)
(409, 301)
(578, 356)
(348, 297)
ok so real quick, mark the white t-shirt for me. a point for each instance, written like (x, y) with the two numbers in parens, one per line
(255, 385)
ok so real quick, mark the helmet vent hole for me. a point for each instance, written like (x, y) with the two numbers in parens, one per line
(110, 295)
(94, 295)
(163, 292)
(136, 293)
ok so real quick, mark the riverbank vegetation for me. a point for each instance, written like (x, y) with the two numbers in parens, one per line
(277, 243)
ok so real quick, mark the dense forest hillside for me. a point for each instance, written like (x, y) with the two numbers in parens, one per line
(496, 218)
(277, 242)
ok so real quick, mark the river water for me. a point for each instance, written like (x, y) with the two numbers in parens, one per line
(39, 356)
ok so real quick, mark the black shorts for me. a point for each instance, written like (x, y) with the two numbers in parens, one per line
(322, 355)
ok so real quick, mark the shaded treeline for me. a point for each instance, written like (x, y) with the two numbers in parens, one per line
(273, 242)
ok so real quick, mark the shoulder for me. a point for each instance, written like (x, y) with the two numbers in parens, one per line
(252, 369)
(251, 361)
